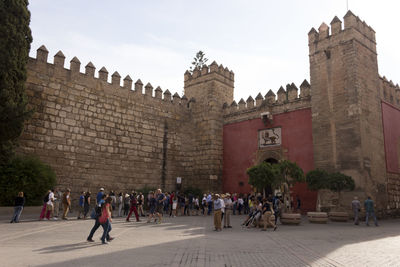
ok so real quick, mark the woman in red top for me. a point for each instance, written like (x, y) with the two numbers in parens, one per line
(105, 220)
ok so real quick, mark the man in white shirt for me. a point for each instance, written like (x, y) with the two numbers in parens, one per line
(50, 205)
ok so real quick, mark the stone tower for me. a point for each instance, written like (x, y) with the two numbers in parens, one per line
(346, 106)
(209, 87)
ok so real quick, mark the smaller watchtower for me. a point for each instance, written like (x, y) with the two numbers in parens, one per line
(210, 87)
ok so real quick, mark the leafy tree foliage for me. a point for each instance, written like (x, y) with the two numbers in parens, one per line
(15, 36)
(198, 61)
(337, 182)
(263, 175)
(317, 179)
(290, 173)
(27, 174)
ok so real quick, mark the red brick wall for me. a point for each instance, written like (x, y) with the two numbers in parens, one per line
(241, 144)
(391, 130)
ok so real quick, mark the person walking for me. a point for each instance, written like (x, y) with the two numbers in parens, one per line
(66, 200)
(113, 202)
(96, 217)
(19, 203)
(356, 207)
(228, 210)
(217, 213)
(81, 205)
(369, 211)
(277, 208)
(105, 220)
(133, 208)
(152, 206)
(140, 198)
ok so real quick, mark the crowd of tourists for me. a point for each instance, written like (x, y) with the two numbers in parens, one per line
(261, 211)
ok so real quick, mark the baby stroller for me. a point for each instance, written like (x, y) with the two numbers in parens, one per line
(253, 217)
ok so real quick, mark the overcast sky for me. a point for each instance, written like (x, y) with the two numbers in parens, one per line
(264, 42)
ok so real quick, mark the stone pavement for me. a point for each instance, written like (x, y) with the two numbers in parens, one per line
(190, 241)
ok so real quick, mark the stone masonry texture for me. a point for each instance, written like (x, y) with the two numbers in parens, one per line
(96, 133)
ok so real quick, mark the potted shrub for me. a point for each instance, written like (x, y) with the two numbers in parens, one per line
(317, 180)
(289, 173)
(338, 182)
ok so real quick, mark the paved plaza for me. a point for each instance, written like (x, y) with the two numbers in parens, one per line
(191, 241)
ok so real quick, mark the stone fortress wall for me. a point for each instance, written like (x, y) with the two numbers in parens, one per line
(95, 133)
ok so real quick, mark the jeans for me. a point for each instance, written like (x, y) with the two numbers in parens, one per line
(106, 230)
(94, 229)
(234, 208)
(209, 208)
(17, 213)
(355, 216)
(372, 214)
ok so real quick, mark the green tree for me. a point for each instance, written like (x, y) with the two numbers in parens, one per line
(289, 174)
(26, 174)
(338, 182)
(15, 36)
(198, 61)
(263, 175)
(317, 180)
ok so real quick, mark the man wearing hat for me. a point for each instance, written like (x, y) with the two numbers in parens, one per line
(356, 207)
(217, 212)
(228, 210)
(99, 195)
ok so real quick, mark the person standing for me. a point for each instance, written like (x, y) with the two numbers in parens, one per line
(203, 204)
(267, 210)
(44, 208)
(369, 211)
(99, 195)
(50, 206)
(277, 208)
(86, 204)
(120, 203)
(141, 204)
(152, 206)
(57, 202)
(113, 202)
(18, 207)
(81, 205)
(160, 204)
(356, 207)
(126, 204)
(298, 207)
(105, 220)
(66, 199)
(228, 211)
(217, 213)
(209, 203)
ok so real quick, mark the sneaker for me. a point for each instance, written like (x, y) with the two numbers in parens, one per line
(110, 239)
(127, 220)
(89, 240)
(55, 219)
(104, 242)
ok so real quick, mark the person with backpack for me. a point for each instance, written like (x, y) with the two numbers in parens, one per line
(105, 220)
(45, 200)
(133, 207)
(97, 215)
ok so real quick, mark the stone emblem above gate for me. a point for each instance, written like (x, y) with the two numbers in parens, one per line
(269, 137)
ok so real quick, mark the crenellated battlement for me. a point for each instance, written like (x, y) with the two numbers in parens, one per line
(56, 69)
(281, 101)
(216, 71)
(390, 92)
(354, 28)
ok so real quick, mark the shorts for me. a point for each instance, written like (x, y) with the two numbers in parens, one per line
(160, 208)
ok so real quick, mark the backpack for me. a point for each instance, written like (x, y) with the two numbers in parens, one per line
(46, 198)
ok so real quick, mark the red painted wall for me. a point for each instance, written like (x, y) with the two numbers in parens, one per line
(241, 144)
(391, 132)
